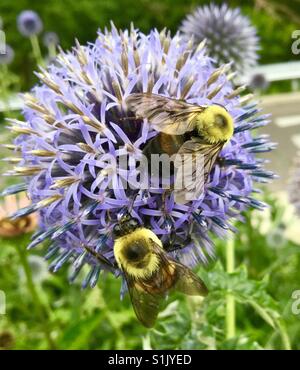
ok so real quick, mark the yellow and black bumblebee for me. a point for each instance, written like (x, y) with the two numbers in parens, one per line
(184, 128)
(150, 273)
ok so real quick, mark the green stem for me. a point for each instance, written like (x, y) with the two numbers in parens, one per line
(282, 332)
(41, 312)
(230, 302)
(4, 91)
(52, 50)
(284, 337)
(36, 49)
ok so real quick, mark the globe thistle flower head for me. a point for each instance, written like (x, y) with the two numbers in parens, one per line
(229, 35)
(258, 82)
(50, 38)
(8, 56)
(77, 124)
(29, 23)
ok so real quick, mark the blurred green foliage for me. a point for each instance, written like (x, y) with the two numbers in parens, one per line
(81, 19)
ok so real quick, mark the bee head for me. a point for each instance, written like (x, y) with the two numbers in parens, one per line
(126, 225)
(215, 124)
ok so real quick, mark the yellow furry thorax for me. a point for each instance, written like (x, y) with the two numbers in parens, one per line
(215, 124)
(142, 235)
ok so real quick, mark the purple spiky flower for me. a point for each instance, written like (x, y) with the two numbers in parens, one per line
(258, 82)
(77, 119)
(50, 38)
(229, 35)
(29, 23)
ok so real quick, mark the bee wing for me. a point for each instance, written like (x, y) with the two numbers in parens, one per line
(188, 282)
(176, 276)
(171, 116)
(145, 304)
(194, 163)
(146, 296)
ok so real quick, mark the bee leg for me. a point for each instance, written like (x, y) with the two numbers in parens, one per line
(175, 244)
(109, 215)
(164, 195)
(133, 118)
(220, 161)
(99, 257)
(132, 202)
(172, 239)
(125, 211)
(167, 193)
(169, 223)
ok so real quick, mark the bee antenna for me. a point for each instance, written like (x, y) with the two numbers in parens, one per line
(220, 105)
(125, 212)
(132, 201)
(134, 118)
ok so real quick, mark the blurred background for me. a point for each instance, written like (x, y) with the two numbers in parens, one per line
(41, 310)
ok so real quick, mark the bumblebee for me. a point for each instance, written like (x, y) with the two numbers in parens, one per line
(184, 129)
(150, 273)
